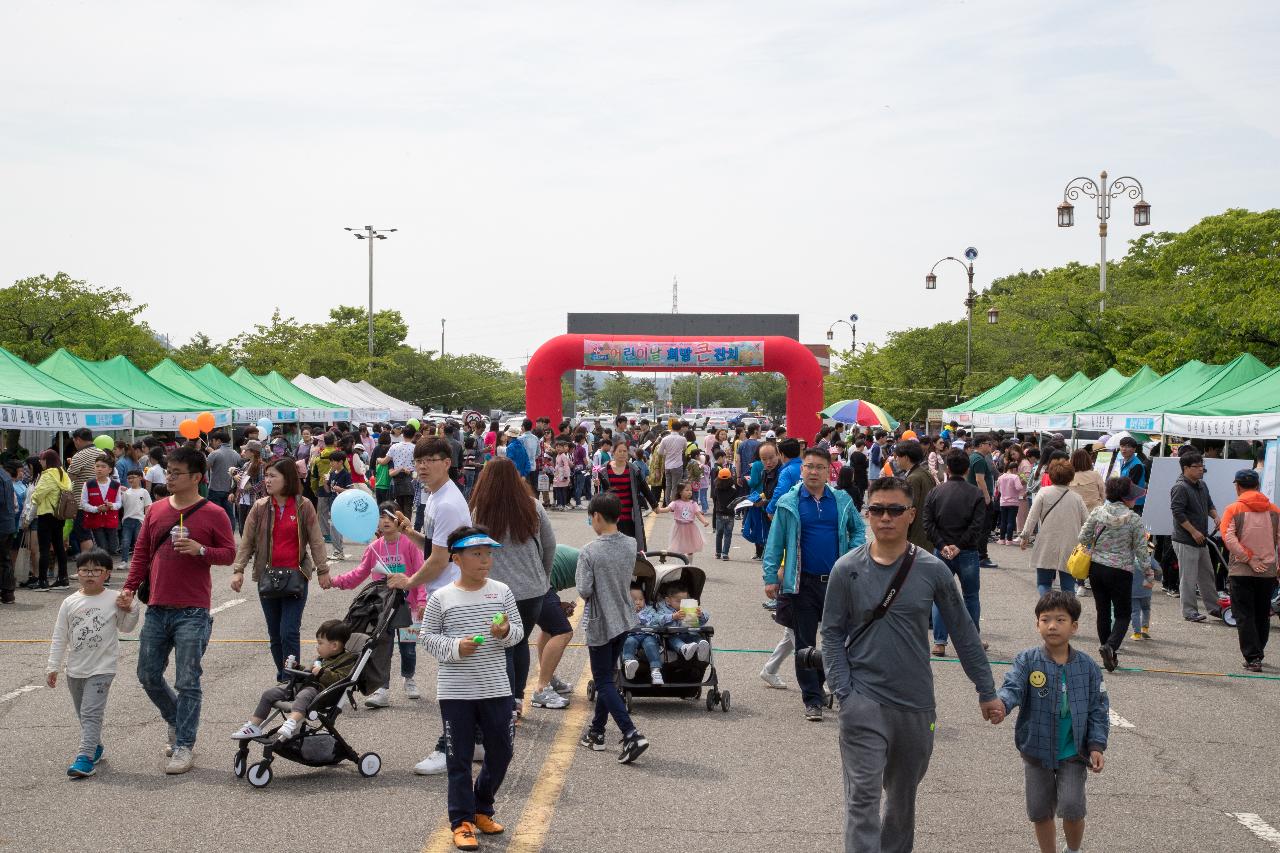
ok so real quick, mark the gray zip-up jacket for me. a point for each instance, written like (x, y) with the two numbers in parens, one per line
(605, 567)
(1189, 502)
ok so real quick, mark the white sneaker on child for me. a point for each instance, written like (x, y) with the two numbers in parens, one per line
(247, 732)
(655, 677)
(287, 730)
(688, 650)
(704, 651)
(629, 668)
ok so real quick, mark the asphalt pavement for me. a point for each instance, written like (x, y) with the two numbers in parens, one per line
(1191, 765)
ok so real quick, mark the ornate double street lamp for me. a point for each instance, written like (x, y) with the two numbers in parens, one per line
(993, 315)
(1102, 193)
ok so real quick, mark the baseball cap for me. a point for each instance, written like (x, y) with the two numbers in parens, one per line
(770, 434)
(1248, 478)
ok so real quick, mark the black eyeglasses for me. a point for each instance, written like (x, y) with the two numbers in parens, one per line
(893, 510)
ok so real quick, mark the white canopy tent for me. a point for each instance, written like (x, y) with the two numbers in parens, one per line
(406, 410)
(363, 410)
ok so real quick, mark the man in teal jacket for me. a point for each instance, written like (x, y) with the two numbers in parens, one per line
(813, 526)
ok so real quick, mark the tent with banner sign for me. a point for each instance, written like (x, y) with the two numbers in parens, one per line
(242, 402)
(154, 405)
(1000, 413)
(362, 409)
(33, 400)
(1247, 411)
(400, 409)
(310, 409)
(1029, 416)
(1008, 389)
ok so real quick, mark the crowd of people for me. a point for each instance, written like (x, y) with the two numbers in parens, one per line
(466, 556)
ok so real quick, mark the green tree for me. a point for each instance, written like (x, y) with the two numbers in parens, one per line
(39, 315)
(589, 393)
(617, 392)
(201, 350)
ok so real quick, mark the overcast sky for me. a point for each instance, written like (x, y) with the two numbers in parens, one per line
(543, 157)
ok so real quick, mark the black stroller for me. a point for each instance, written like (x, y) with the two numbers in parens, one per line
(318, 742)
(684, 679)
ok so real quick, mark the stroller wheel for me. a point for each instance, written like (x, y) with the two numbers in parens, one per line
(713, 698)
(239, 765)
(591, 691)
(260, 774)
(1228, 616)
(370, 763)
(724, 701)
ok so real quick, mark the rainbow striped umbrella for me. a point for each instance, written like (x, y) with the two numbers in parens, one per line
(859, 412)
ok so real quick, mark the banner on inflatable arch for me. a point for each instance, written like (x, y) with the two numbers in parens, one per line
(36, 417)
(1260, 426)
(711, 355)
(169, 421)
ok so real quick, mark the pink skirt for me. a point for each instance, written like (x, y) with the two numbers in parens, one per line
(686, 537)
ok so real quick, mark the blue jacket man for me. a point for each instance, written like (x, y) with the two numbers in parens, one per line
(813, 526)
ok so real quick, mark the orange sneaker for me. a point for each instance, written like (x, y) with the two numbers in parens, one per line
(488, 825)
(464, 837)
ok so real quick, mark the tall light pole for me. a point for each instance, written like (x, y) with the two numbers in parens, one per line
(370, 234)
(931, 283)
(1102, 192)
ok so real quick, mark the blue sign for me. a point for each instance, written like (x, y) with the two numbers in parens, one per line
(105, 421)
(1140, 424)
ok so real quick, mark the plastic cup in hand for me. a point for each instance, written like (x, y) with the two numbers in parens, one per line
(179, 532)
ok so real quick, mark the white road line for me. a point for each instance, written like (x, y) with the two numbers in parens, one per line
(16, 693)
(1257, 826)
(1120, 722)
(232, 603)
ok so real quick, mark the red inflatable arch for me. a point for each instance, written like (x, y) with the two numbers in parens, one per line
(650, 353)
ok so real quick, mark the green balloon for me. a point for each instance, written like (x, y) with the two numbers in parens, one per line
(413, 422)
(104, 442)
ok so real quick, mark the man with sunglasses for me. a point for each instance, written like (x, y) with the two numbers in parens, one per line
(879, 669)
(813, 525)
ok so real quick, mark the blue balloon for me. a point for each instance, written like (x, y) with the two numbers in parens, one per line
(355, 514)
(264, 428)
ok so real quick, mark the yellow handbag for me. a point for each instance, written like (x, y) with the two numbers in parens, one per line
(1078, 563)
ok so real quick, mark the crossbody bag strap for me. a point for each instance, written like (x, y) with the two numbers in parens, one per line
(1052, 508)
(890, 595)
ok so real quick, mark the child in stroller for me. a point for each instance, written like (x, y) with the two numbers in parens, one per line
(665, 613)
(333, 664)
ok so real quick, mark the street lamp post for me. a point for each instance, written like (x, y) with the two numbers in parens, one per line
(1102, 192)
(931, 283)
(852, 323)
(370, 234)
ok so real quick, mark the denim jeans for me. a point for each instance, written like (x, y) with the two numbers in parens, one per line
(608, 699)
(724, 533)
(1044, 580)
(700, 495)
(965, 566)
(581, 487)
(650, 643)
(183, 631)
(221, 499)
(284, 624)
(806, 613)
(468, 481)
(129, 529)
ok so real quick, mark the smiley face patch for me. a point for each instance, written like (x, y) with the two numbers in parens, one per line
(1037, 679)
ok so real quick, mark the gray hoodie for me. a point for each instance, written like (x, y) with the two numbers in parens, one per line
(605, 567)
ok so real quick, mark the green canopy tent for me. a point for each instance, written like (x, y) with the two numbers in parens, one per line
(311, 409)
(1247, 411)
(155, 405)
(1058, 411)
(33, 400)
(999, 413)
(1142, 410)
(1032, 405)
(167, 372)
(250, 406)
(960, 411)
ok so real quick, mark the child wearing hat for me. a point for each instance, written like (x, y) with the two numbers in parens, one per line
(468, 625)
(724, 491)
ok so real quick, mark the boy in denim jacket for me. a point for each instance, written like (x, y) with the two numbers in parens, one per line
(1063, 718)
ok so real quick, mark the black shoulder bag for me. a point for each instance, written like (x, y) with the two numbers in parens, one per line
(143, 592)
(890, 595)
(281, 581)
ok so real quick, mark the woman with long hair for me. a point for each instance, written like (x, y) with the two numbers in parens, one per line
(281, 530)
(251, 477)
(502, 503)
(52, 483)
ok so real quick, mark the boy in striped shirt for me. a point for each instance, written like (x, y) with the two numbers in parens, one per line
(468, 625)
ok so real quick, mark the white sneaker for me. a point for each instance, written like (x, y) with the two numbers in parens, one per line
(772, 679)
(564, 688)
(433, 765)
(704, 651)
(629, 668)
(180, 762)
(688, 650)
(287, 730)
(377, 699)
(338, 556)
(247, 732)
(548, 698)
(655, 677)
(411, 689)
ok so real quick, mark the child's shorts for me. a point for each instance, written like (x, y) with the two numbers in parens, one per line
(1058, 791)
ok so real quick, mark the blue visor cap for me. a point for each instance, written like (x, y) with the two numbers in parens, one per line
(472, 541)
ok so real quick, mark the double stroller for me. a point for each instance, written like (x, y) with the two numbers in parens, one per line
(318, 742)
(684, 679)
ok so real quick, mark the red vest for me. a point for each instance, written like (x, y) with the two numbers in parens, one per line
(107, 518)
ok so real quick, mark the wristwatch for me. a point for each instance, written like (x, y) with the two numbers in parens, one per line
(201, 550)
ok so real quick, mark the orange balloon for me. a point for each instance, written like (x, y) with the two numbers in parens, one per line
(189, 429)
(908, 434)
(205, 421)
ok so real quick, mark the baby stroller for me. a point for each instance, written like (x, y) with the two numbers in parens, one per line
(318, 742)
(683, 678)
(1217, 557)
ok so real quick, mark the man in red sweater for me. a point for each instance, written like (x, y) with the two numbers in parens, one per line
(181, 538)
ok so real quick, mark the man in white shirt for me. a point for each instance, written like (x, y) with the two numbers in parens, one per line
(673, 444)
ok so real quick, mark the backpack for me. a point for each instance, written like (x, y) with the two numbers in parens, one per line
(694, 473)
(68, 505)
(519, 456)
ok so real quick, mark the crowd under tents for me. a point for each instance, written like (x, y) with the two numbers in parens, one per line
(65, 392)
(1237, 400)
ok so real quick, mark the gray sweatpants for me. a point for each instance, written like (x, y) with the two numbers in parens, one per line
(672, 478)
(89, 695)
(326, 524)
(1195, 570)
(882, 748)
